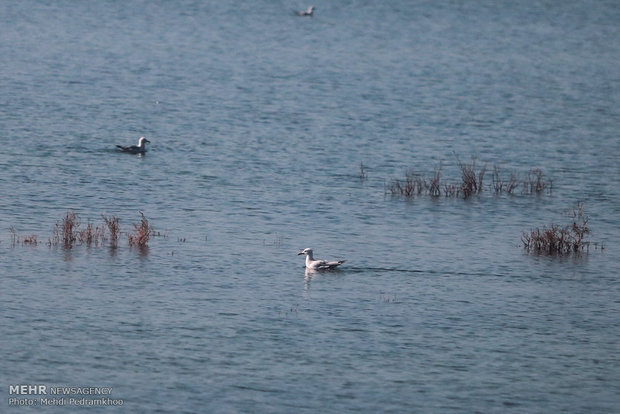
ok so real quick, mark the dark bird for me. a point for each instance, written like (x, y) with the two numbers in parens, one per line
(135, 149)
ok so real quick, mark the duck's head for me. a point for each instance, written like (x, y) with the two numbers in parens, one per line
(143, 141)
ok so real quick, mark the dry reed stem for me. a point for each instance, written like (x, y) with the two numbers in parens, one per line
(434, 190)
(114, 228)
(500, 186)
(536, 183)
(142, 233)
(471, 183)
(471, 180)
(14, 236)
(560, 239)
(65, 231)
(414, 185)
(91, 235)
(31, 240)
(363, 172)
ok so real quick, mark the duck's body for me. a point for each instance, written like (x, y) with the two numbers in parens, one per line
(135, 149)
(308, 12)
(313, 264)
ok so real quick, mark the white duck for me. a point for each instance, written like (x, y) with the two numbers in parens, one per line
(312, 264)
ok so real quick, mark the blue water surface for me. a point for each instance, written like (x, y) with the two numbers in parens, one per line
(259, 122)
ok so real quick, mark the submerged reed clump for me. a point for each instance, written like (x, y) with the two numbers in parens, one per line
(471, 179)
(408, 187)
(30, 240)
(560, 239)
(471, 183)
(114, 229)
(500, 185)
(91, 235)
(414, 184)
(142, 233)
(434, 189)
(536, 183)
(65, 231)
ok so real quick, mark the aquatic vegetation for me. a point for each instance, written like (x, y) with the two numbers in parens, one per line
(408, 186)
(65, 231)
(30, 240)
(276, 241)
(389, 298)
(500, 185)
(557, 239)
(414, 184)
(471, 183)
(471, 179)
(450, 190)
(142, 233)
(536, 183)
(114, 228)
(14, 236)
(434, 189)
(363, 172)
(290, 311)
(91, 235)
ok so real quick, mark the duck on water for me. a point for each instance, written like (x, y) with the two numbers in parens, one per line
(308, 12)
(312, 264)
(135, 149)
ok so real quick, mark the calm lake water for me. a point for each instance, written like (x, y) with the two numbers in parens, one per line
(259, 121)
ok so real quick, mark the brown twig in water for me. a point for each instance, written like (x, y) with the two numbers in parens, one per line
(65, 231)
(91, 235)
(471, 181)
(142, 233)
(31, 240)
(560, 239)
(536, 183)
(363, 172)
(114, 229)
(14, 236)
